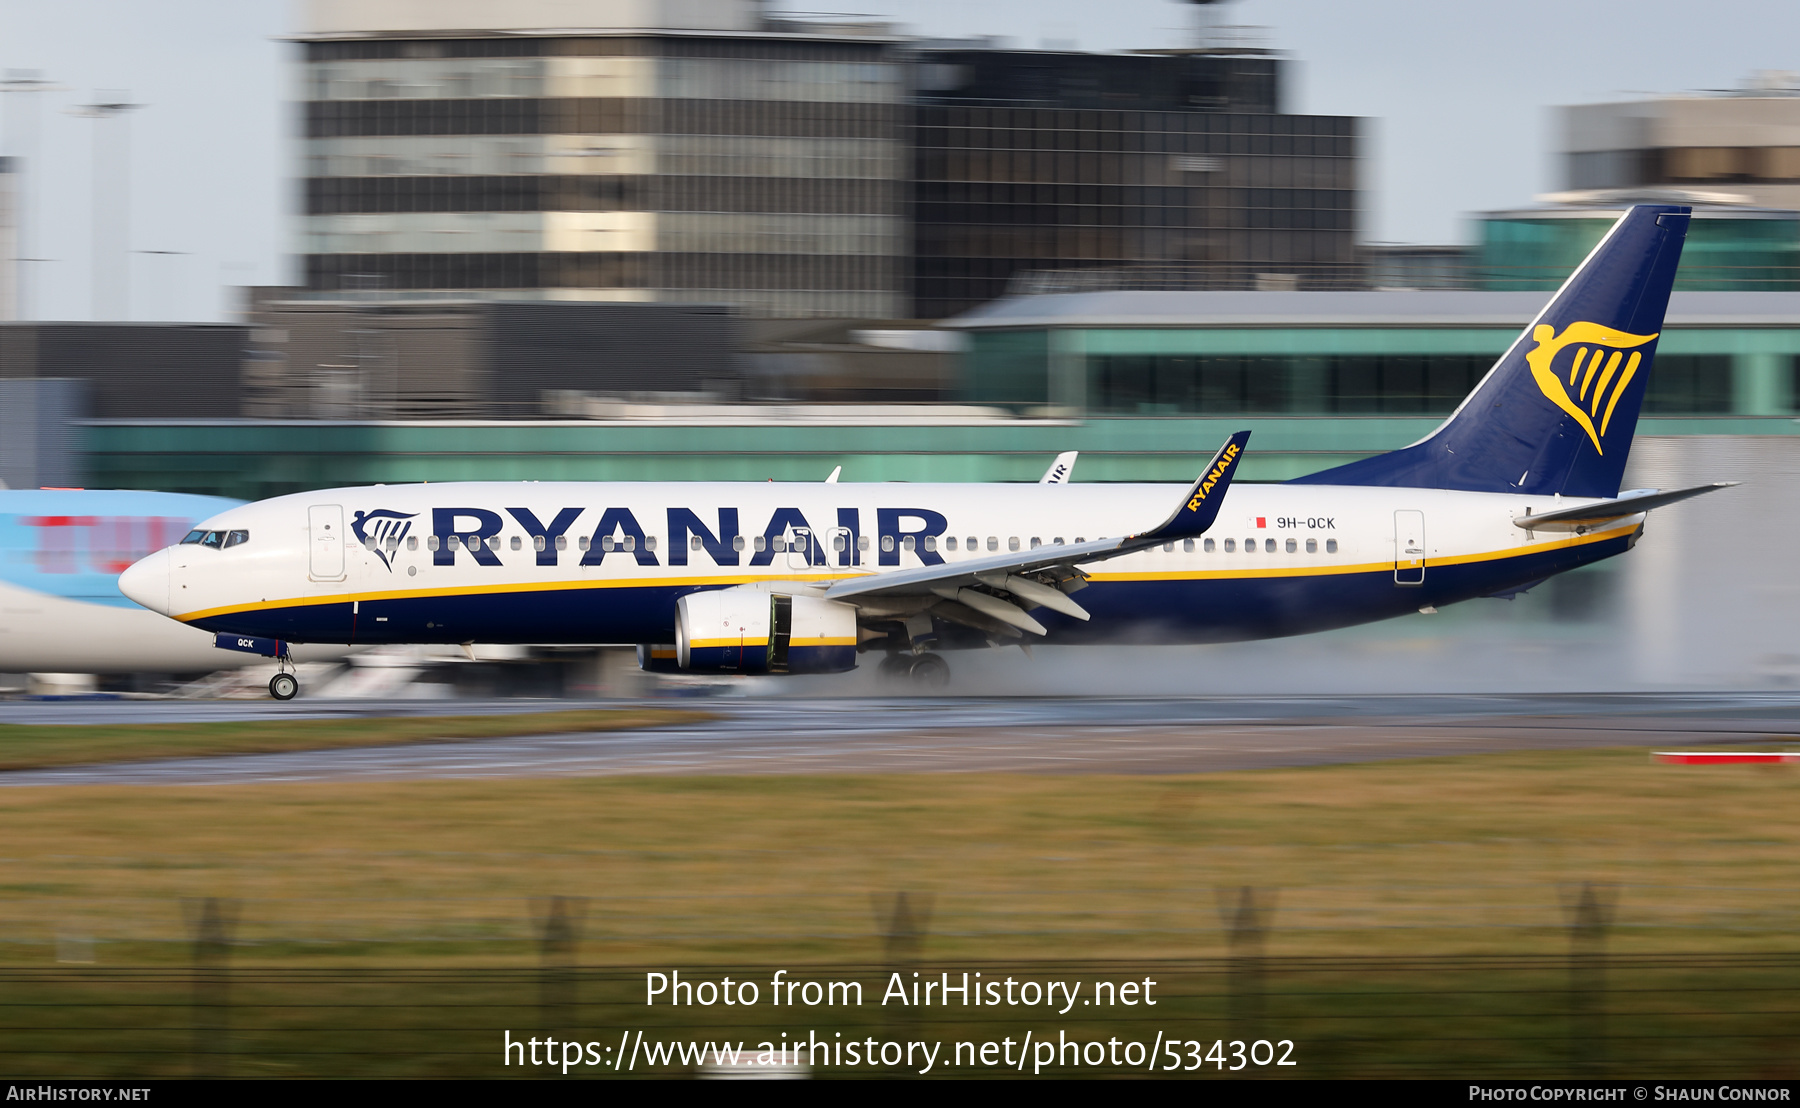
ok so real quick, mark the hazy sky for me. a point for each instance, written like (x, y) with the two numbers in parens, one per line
(1458, 96)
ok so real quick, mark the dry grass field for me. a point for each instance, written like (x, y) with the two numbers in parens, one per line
(1479, 854)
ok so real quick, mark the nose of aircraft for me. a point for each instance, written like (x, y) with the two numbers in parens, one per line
(147, 582)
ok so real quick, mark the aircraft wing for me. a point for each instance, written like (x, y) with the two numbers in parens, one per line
(1032, 577)
(1587, 516)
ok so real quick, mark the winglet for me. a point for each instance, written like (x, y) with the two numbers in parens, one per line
(1201, 506)
(1060, 469)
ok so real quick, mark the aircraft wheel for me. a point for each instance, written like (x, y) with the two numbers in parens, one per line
(284, 686)
(930, 671)
(894, 667)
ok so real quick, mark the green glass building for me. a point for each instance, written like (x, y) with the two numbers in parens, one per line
(1733, 249)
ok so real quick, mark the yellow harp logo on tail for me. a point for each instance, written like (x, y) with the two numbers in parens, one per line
(1594, 378)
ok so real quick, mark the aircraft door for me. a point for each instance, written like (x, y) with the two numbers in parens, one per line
(325, 531)
(840, 547)
(1409, 547)
(800, 552)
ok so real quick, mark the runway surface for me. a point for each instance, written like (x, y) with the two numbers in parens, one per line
(916, 735)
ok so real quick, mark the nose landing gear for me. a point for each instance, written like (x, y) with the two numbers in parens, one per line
(284, 685)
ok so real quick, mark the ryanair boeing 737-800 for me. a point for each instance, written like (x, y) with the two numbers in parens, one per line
(1520, 483)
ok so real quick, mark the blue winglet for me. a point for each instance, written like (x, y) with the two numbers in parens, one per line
(1201, 507)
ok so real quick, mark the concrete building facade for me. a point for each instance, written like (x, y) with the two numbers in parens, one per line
(688, 152)
(1745, 143)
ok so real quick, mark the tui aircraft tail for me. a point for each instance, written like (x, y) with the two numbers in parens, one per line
(1557, 411)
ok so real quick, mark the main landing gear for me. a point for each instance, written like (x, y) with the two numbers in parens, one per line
(926, 672)
(284, 685)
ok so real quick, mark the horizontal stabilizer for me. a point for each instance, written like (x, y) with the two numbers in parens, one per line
(1587, 516)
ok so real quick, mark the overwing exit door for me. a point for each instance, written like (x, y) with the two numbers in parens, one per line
(1409, 547)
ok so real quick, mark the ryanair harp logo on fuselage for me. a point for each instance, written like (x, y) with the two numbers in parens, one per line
(1589, 383)
(382, 531)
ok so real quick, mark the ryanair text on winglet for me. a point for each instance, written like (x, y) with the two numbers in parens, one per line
(1226, 457)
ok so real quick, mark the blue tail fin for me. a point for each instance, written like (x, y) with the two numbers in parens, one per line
(1557, 411)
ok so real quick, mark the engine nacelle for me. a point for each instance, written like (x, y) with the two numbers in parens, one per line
(749, 630)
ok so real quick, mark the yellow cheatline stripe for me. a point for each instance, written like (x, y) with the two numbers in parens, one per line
(512, 587)
(1155, 575)
(733, 644)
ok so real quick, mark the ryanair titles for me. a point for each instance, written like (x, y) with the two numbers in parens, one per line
(717, 536)
(1224, 462)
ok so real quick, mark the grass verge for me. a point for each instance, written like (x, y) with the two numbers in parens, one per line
(1484, 854)
(33, 746)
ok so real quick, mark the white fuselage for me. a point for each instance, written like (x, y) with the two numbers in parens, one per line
(1280, 559)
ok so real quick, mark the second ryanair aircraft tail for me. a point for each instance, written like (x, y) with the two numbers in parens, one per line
(1557, 411)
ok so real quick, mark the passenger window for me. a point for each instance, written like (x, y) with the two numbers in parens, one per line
(887, 544)
(1079, 540)
(236, 538)
(1057, 540)
(907, 544)
(606, 542)
(1231, 546)
(862, 542)
(931, 542)
(974, 544)
(431, 543)
(1012, 543)
(761, 542)
(838, 544)
(950, 543)
(537, 543)
(193, 537)
(584, 542)
(630, 542)
(1269, 546)
(1187, 546)
(1312, 546)
(412, 542)
(1207, 545)
(453, 542)
(1168, 548)
(1331, 546)
(517, 543)
(649, 542)
(779, 544)
(392, 543)
(1292, 546)
(693, 542)
(562, 543)
(994, 543)
(1036, 542)
(737, 543)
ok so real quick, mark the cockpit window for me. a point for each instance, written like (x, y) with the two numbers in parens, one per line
(193, 537)
(236, 538)
(213, 539)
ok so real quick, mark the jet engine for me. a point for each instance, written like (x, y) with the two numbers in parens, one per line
(746, 630)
